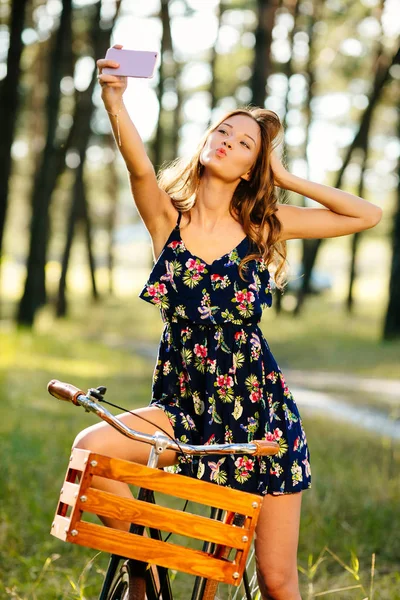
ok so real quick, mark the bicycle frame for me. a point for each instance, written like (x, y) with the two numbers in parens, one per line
(159, 444)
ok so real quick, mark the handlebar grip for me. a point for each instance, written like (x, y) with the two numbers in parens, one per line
(64, 391)
(265, 448)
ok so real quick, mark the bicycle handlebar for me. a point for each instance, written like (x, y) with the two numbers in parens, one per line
(70, 393)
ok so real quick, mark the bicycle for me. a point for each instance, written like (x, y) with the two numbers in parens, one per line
(226, 535)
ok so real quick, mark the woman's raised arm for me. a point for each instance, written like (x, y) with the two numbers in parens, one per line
(341, 213)
(153, 204)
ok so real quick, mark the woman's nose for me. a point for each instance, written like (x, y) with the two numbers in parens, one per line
(227, 143)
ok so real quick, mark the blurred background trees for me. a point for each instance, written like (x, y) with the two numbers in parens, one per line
(330, 69)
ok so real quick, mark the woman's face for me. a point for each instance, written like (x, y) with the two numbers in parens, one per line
(232, 148)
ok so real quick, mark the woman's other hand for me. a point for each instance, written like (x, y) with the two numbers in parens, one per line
(279, 171)
(112, 86)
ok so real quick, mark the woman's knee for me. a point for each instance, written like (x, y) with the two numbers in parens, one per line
(276, 584)
(88, 439)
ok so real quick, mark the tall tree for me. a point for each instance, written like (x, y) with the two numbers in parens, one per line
(262, 55)
(34, 294)
(381, 78)
(9, 103)
(166, 50)
(79, 210)
(391, 328)
(364, 146)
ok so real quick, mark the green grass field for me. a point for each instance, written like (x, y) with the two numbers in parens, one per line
(352, 508)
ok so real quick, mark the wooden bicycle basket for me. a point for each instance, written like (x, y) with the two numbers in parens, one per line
(78, 497)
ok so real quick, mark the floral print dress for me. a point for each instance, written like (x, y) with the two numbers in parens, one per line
(215, 376)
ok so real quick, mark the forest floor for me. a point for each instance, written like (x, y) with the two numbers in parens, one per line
(350, 510)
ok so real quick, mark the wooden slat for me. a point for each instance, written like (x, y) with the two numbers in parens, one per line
(79, 459)
(69, 493)
(176, 485)
(146, 549)
(166, 519)
(60, 527)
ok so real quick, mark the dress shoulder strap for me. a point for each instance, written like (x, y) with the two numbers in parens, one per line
(179, 220)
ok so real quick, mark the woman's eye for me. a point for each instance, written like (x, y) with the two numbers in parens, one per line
(222, 130)
(247, 146)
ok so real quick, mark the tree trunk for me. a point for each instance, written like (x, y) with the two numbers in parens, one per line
(166, 46)
(382, 76)
(35, 291)
(112, 186)
(356, 238)
(80, 139)
(262, 54)
(9, 103)
(392, 320)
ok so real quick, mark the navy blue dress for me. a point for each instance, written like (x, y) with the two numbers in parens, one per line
(215, 376)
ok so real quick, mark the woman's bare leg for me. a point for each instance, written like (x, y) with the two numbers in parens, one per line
(104, 439)
(277, 537)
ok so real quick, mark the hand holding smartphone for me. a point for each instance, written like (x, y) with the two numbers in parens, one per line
(132, 63)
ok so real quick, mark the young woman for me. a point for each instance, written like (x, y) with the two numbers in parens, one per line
(217, 230)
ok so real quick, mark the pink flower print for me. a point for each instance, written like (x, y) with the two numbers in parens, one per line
(191, 263)
(173, 245)
(306, 467)
(242, 306)
(296, 444)
(250, 297)
(216, 277)
(152, 290)
(200, 350)
(240, 297)
(200, 267)
(244, 463)
(275, 436)
(255, 396)
(272, 376)
(162, 288)
(224, 380)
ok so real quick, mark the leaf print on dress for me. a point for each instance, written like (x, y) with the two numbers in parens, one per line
(230, 318)
(177, 247)
(254, 387)
(219, 281)
(194, 272)
(171, 269)
(198, 403)
(244, 467)
(233, 258)
(157, 294)
(244, 299)
(238, 408)
(290, 417)
(187, 356)
(205, 309)
(251, 427)
(200, 351)
(183, 379)
(224, 385)
(277, 436)
(212, 410)
(297, 473)
(217, 474)
(255, 346)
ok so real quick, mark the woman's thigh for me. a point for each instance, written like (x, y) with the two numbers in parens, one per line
(276, 543)
(104, 439)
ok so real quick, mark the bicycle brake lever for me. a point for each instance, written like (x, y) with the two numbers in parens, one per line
(98, 392)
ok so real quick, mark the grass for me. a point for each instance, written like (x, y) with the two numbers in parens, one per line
(351, 509)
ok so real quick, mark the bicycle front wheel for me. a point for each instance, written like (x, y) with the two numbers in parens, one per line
(127, 585)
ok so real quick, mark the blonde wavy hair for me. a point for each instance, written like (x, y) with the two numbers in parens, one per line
(254, 202)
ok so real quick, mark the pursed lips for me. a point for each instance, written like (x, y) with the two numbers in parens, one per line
(221, 151)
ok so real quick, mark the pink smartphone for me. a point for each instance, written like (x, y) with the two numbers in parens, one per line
(132, 63)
